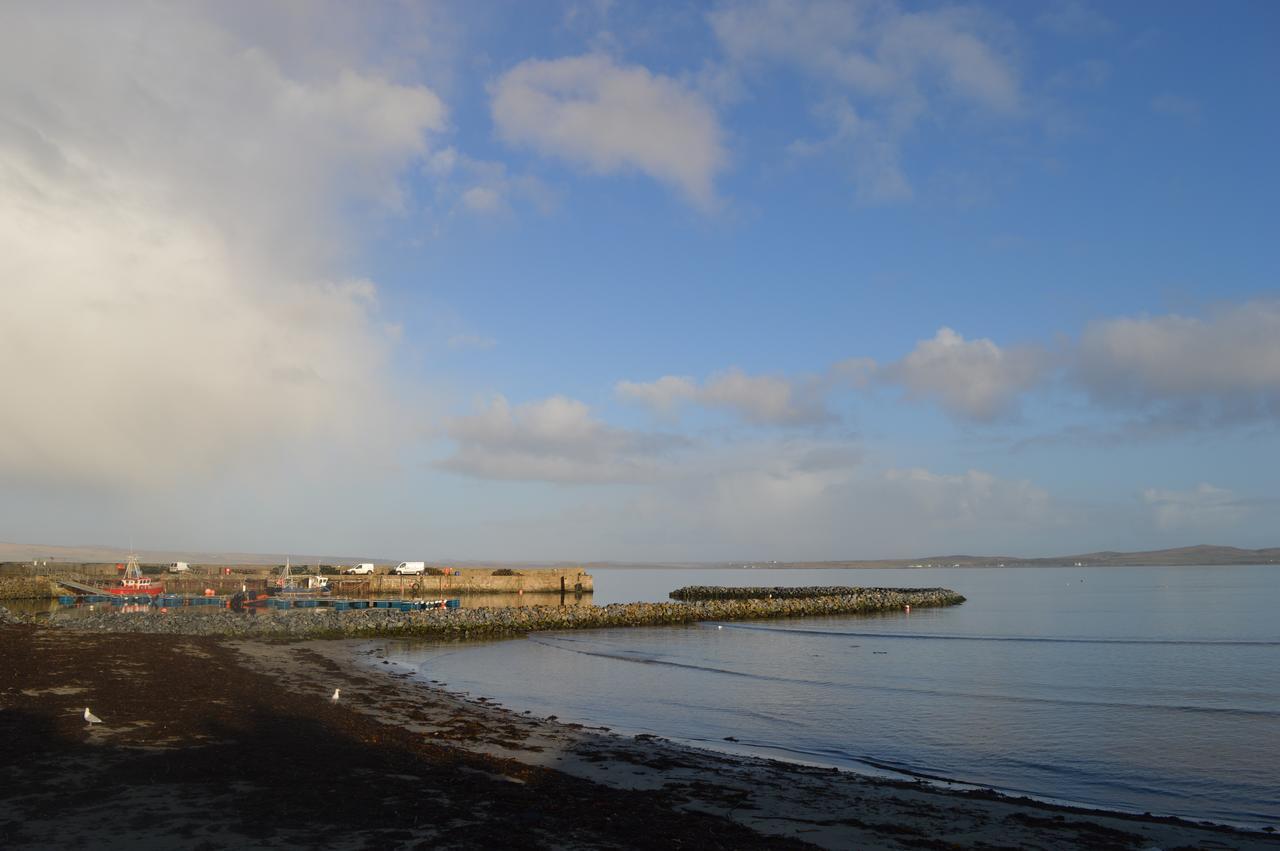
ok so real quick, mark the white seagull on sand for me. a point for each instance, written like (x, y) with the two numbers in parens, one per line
(336, 692)
(90, 717)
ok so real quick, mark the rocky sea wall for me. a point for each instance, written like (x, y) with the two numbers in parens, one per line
(27, 588)
(782, 592)
(487, 622)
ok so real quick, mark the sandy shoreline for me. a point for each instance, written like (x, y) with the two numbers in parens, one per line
(823, 806)
(212, 743)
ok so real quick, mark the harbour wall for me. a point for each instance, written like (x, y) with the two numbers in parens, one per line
(26, 588)
(27, 581)
(494, 622)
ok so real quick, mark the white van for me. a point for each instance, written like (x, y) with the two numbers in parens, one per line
(179, 567)
(360, 569)
(410, 568)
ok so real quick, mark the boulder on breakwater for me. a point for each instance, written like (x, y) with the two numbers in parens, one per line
(491, 622)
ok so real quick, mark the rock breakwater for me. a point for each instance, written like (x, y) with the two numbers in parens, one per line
(490, 622)
(783, 592)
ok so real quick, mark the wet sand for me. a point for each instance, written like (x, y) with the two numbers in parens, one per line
(209, 743)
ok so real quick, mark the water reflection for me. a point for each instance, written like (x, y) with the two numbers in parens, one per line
(31, 607)
(468, 601)
(520, 601)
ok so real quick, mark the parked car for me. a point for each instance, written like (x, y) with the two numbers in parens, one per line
(410, 568)
(363, 569)
(179, 567)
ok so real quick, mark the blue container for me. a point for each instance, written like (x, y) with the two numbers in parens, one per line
(453, 604)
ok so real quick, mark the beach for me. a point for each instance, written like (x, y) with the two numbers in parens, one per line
(214, 742)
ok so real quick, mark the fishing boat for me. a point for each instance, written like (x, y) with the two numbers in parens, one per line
(133, 584)
(287, 583)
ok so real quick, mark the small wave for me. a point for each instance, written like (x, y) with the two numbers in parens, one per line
(638, 658)
(647, 659)
(1226, 642)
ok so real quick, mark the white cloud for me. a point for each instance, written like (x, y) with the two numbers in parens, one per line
(482, 199)
(1225, 367)
(972, 379)
(484, 187)
(553, 440)
(609, 118)
(877, 168)
(970, 501)
(665, 395)
(884, 69)
(169, 222)
(857, 372)
(766, 399)
(1177, 371)
(757, 399)
(1204, 507)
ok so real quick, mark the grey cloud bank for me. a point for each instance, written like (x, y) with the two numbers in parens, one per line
(139, 286)
(554, 440)
(1225, 366)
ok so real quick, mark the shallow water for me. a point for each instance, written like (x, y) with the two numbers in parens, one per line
(1142, 689)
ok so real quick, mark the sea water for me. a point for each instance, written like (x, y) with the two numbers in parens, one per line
(1138, 689)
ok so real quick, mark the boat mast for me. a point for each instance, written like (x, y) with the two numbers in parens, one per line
(132, 570)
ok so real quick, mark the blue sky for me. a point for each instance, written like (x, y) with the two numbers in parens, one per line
(763, 279)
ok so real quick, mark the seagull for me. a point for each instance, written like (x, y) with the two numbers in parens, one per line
(334, 699)
(90, 717)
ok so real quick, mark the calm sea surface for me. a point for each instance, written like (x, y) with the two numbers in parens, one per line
(1143, 689)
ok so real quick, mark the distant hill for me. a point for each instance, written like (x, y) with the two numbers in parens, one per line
(1200, 554)
(1206, 554)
